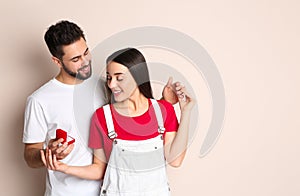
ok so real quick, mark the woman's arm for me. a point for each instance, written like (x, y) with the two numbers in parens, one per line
(176, 142)
(32, 153)
(95, 171)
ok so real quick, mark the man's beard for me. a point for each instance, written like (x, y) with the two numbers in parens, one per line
(78, 74)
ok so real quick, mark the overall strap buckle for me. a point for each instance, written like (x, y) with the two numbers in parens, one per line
(109, 122)
(159, 117)
(161, 130)
(112, 134)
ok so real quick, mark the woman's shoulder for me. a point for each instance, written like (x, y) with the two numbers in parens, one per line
(99, 113)
(165, 106)
(98, 118)
(101, 109)
(164, 103)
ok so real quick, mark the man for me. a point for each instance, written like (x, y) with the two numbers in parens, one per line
(51, 107)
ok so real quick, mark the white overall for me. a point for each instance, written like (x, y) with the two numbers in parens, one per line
(136, 168)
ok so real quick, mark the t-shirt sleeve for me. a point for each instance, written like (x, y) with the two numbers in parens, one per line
(169, 115)
(96, 131)
(35, 125)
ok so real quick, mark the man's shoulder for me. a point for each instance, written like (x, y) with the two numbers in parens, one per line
(42, 90)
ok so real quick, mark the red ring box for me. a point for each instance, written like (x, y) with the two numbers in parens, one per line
(63, 134)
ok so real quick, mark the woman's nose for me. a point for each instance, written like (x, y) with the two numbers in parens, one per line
(111, 83)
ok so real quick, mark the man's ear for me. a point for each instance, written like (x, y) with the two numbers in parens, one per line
(56, 61)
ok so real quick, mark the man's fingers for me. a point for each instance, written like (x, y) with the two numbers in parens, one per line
(68, 149)
(63, 151)
(56, 143)
(61, 148)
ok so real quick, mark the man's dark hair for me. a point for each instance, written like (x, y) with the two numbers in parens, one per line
(61, 34)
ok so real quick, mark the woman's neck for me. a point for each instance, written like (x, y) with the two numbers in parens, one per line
(135, 105)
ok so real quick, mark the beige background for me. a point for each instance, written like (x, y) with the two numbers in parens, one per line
(253, 43)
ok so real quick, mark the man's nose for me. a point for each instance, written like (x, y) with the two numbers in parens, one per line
(85, 60)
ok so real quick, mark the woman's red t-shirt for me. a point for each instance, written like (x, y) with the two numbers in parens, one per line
(140, 127)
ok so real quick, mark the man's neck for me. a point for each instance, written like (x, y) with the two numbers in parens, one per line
(68, 79)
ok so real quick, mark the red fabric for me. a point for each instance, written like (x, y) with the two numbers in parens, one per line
(130, 128)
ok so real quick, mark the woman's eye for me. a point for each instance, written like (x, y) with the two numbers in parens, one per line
(119, 79)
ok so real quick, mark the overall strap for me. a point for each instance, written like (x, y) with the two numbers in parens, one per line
(109, 122)
(159, 117)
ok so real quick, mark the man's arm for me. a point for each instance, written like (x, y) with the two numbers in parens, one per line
(32, 155)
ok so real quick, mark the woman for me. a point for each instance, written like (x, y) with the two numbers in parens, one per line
(135, 134)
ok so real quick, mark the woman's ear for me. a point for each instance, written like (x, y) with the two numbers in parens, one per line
(56, 61)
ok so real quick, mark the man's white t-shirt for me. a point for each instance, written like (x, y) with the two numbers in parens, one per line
(56, 105)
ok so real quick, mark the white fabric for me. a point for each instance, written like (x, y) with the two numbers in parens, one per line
(109, 122)
(50, 108)
(159, 117)
(136, 168)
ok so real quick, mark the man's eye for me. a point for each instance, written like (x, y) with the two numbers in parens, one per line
(108, 78)
(119, 78)
(75, 60)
